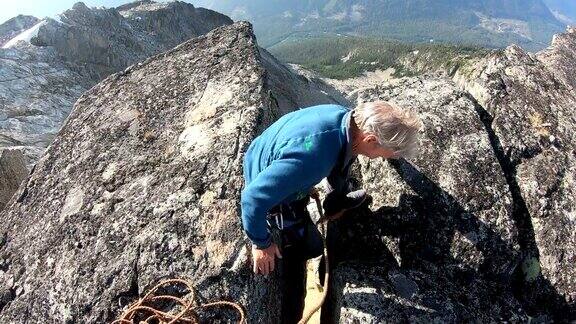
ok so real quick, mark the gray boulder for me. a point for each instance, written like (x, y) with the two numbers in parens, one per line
(456, 176)
(143, 182)
(441, 225)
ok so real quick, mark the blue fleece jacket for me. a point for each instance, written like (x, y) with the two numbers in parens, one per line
(287, 160)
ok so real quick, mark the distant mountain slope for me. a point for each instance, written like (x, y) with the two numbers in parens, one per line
(563, 10)
(486, 22)
(348, 57)
(15, 26)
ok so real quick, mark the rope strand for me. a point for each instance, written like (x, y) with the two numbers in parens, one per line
(189, 313)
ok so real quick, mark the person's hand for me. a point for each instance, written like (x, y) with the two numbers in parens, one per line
(264, 258)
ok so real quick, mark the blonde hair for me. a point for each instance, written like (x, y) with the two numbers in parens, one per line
(396, 129)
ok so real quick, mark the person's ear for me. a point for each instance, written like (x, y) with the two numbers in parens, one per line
(371, 139)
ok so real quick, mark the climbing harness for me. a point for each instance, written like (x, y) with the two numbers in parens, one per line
(189, 313)
(278, 218)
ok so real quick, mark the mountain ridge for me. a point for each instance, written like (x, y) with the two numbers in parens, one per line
(563, 10)
(487, 23)
(14, 26)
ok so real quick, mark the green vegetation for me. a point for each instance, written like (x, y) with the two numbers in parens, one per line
(342, 57)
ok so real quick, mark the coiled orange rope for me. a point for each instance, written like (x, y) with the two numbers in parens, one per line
(145, 306)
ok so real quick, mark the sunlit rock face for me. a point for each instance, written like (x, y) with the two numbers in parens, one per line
(560, 57)
(143, 182)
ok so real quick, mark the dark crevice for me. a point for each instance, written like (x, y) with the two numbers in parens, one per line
(6, 298)
(126, 297)
(134, 288)
(3, 239)
(185, 182)
(23, 194)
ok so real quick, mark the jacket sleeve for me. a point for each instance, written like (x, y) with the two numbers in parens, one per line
(294, 171)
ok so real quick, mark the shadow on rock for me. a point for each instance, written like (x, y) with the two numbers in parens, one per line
(402, 264)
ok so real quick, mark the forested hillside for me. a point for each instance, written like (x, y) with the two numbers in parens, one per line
(345, 57)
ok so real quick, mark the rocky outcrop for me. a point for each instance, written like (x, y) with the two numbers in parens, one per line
(440, 240)
(107, 40)
(46, 68)
(528, 101)
(12, 172)
(55, 61)
(15, 26)
(474, 226)
(480, 226)
(560, 57)
(143, 182)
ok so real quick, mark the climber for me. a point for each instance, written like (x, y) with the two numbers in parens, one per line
(282, 165)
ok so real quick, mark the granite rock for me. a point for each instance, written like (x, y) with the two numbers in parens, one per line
(529, 101)
(483, 218)
(143, 182)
